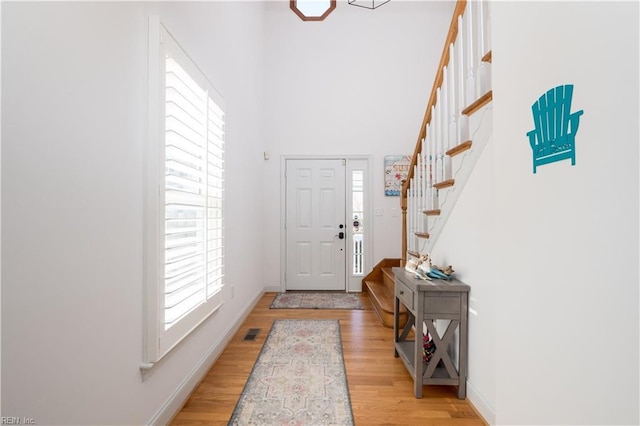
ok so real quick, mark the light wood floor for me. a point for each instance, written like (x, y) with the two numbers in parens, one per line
(380, 388)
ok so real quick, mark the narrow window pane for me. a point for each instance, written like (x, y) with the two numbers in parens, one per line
(357, 217)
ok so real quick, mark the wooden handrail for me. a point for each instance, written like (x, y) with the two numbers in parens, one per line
(444, 60)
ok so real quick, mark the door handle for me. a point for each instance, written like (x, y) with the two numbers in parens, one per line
(340, 235)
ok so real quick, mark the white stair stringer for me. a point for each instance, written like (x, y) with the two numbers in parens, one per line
(481, 129)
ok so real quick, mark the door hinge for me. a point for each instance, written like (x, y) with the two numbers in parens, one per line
(344, 161)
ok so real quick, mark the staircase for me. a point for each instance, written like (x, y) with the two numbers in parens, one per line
(457, 125)
(379, 284)
(426, 221)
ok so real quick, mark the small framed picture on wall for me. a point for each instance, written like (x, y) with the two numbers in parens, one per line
(396, 168)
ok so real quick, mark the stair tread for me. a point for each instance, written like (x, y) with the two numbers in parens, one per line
(478, 103)
(383, 295)
(459, 149)
(444, 184)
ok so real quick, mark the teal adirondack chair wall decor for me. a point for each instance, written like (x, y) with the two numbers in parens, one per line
(554, 136)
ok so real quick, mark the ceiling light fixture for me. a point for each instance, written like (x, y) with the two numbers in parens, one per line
(368, 4)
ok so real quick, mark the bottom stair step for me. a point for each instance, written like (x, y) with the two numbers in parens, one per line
(382, 298)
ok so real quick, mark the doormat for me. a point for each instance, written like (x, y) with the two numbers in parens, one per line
(299, 378)
(316, 300)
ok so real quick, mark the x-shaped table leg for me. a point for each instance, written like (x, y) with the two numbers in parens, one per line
(441, 345)
(407, 327)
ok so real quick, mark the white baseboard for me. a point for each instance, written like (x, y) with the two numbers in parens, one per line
(481, 405)
(273, 289)
(175, 402)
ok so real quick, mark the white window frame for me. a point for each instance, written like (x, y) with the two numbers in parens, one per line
(158, 341)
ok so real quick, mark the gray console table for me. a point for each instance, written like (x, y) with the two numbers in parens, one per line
(427, 301)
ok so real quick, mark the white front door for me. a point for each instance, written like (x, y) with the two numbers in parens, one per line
(315, 225)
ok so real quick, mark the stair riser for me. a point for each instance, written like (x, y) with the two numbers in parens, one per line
(379, 285)
(386, 318)
(388, 281)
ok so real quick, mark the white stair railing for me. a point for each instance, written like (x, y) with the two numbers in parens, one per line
(463, 80)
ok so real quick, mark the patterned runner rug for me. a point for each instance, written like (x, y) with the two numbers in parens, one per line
(316, 300)
(298, 379)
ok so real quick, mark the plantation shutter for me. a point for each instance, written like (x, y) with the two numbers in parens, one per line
(184, 248)
(185, 193)
(194, 178)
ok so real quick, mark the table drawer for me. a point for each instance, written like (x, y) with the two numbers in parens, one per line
(405, 295)
(442, 303)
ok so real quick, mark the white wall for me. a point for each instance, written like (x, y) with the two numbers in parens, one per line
(555, 253)
(466, 243)
(567, 319)
(73, 114)
(356, 83)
